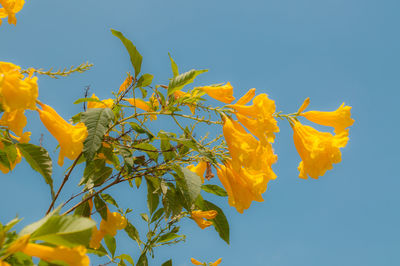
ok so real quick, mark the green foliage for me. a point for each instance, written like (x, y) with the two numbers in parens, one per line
(188, 184)
(178, 82)
(214, 189)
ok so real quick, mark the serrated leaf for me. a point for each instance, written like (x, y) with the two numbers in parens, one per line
(157, 215)
(96, 121)
(144, 81)
(189, 184)
(63, 230)
(152, 198)
(101, 207)
(171, 202)
(40, 161)
(214, 189)
(132, 232)
(151, 151)
(174, 66)
(136, 58)
(167, 237)
(166, 147)
(111, 244)
(109, 199)
(178, 82)
(142, 261)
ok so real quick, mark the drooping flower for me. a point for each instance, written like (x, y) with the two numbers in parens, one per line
(196, 262)
(114, 222)
(200, 217)
(221, 93)
(75, 256)
(9, 9)
(70, 137)
(15, 91)
(318, 150)
(339, 119)
(217, 262)
(127, 82)
(199, 169)
(257, 118)
(145, 106)
(14, 121)
(104, 103)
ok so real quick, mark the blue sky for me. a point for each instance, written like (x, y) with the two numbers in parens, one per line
(332, 51)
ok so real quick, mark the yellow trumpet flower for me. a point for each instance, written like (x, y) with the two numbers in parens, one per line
(200, 216)
(9, 9)
(221, 93)
(104, 103)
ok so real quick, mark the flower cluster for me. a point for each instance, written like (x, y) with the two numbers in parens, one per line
(9, 9)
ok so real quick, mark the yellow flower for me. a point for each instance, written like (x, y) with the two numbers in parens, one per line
(257, 118)
(339, 119)
(69, 137)
(145, 106)
(75, 256)
(221, 93)
(196, 262)
(199, 169)
(179, 94)
(200, 216)
(14, 121)
(114, 222)
(17, 160)
(9, 9)
(217, 262)
(25, 138)
(16, 92)
(3, 263)
(318, 150)
(104, 103)
(127, 82)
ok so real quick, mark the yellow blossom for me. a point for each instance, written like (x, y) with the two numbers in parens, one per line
(179, 94)
(16, 92)
(221, 93)
(14, 121)
(199, 169)
(196, 262)
(304, 105)
(3, 263)
(257, 118)
(69, 137)
(127, 82)
(9, 9)
(75, 256)
(114, 222)
(318, 150)
(217, 262)
(25, 138)
(339, 119)
(145, 106)
(104, 103)
(200, 216)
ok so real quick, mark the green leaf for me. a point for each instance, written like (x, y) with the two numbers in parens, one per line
(40, 161)
(62, 230)
(167, 263)
(109, 199)
(95, 174)
(167, 237)
(111, 244)
(220, 222)
(145, 217)
(151, 151)
(189, 184)
(174, 66)
(136, 58)
(142, 261)
(178, 82)
(4, 159)
(171, 201)
(101, 207)
(152, 198)
(132, 232)
(144, 81)
(166, 147)
(97, 121)
(81, 100)
(83, 209)
(214, 189)
(157, 215)
(141, 130)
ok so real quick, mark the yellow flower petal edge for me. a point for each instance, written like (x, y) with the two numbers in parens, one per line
(145, 106)
(17, 160)
(104, 103)
(318, 150)
(17, 92)
(125, 85)
(14, 121)
(70, 137)
(9, 9)
(200, 216)
(195, 262)
(217, 262)
(339, 119)
(199, 169)
(221, 93)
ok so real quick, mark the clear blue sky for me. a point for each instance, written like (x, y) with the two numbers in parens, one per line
(329, 50)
